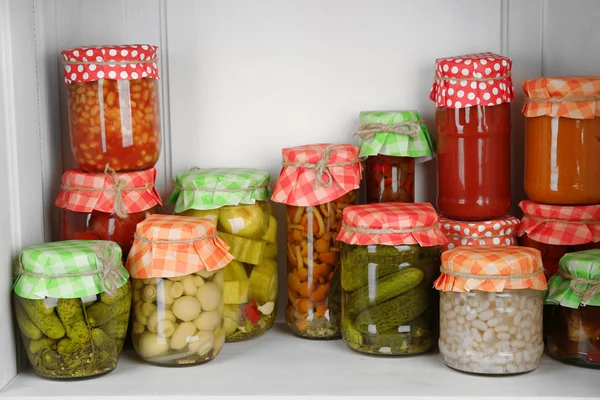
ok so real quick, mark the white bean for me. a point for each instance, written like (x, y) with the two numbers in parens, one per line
(486, 315)
(482, 326)
(488, 335)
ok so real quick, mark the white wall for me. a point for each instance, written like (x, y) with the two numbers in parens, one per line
(242, 79)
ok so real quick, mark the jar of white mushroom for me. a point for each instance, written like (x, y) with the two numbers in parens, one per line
(491, 322)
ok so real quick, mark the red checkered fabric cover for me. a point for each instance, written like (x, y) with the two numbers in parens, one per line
(391, 224)
(572, 97)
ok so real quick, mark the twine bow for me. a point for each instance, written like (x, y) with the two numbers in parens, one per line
(585, 294)
(109, 269)
(118, 185)
(408, 128)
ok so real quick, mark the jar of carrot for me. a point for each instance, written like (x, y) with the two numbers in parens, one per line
(316, 182)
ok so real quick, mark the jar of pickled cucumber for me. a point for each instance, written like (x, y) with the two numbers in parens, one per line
(114, 106)
(491, 309)
(392, 141)
(572, 312)
(316, 182)
(106, 206)
(72, 302)
(176, 268)
(390, 258)
(236, 200)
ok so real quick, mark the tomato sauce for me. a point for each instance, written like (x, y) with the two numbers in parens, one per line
(474, 162)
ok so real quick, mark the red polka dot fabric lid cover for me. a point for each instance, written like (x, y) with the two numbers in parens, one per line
(560, 225)
(137, 191)
(317, 173)
(125, 62)
(497, 232)
(482, 79)
(391, 224)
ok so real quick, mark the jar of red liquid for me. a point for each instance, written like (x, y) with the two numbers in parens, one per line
(114, 107)
(472, 94)
(557, 230)
(392, 141)
(106, 206)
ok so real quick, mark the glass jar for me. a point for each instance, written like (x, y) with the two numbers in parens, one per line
(558, 230)
(562, 140)
(496, 232)
(94, 207)
(572, 310)
(392, 141)
(178, 310)
(316, 182)
(236, 200)
(114, 107)
(473, 133)
(490, 315)
(389, 306)
(72, 327)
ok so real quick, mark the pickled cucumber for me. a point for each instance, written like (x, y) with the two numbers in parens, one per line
(271, 251)
(49, 324)
(364, 262)
(70, 312)
(248, 221)
(234, 271)
(26, 326)
(68, 346)
(395, 312)
(36, 346)
(232, 318)
(123, 293)
(117, 327)
(263, 281)
(108, 308)
(244, 250)
(271, 234)
(387, 288)
(210, 214)
(236, 292)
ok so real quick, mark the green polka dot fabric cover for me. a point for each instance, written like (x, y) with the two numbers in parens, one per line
(41, 265)
(419, 145)
(570, 292)
(209, 189)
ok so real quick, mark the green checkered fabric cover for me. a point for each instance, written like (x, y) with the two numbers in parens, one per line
(208, 189)
(393, 144)
(67, 257)
(582, 264)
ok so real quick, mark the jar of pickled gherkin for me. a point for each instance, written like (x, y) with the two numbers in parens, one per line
(392, 141)
(236, 199)
(572, 307)
(176, 268)
(390, 258)
(316, 182)
(114, 107)
(72, 302)
(558, 230)
(106, 206)
(491, 308)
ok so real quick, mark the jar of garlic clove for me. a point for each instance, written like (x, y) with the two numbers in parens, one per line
(491, 307)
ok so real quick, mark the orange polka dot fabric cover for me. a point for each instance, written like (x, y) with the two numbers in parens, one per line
(391, 224)
(86, 192)
(481, 79)
(125, 62)
(328, 172)
(572, 97)
(497, 232)
(491, 269)
(169, 246)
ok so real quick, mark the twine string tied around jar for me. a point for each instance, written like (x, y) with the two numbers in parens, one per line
(576, 283)
(380, 231)
(408, 128)
(467, 275)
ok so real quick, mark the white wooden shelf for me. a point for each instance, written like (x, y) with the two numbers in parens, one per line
(279, 365)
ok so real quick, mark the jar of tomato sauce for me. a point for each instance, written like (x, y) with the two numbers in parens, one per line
(558, 230)
(106, 206)
(113, 103)
(562, 140)
(473, 94)
(392, 141)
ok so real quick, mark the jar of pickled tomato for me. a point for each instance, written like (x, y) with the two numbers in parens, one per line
(473, 94)
(114, 106)
(393, 141)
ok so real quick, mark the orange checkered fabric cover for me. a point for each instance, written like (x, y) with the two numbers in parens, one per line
(169, 246)
(571, 97)
(491, 269)
(391, 224)
(317, 174)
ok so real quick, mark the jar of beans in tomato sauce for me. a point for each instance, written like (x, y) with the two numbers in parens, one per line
(113, 103)
(106, 206)
(392, 141)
